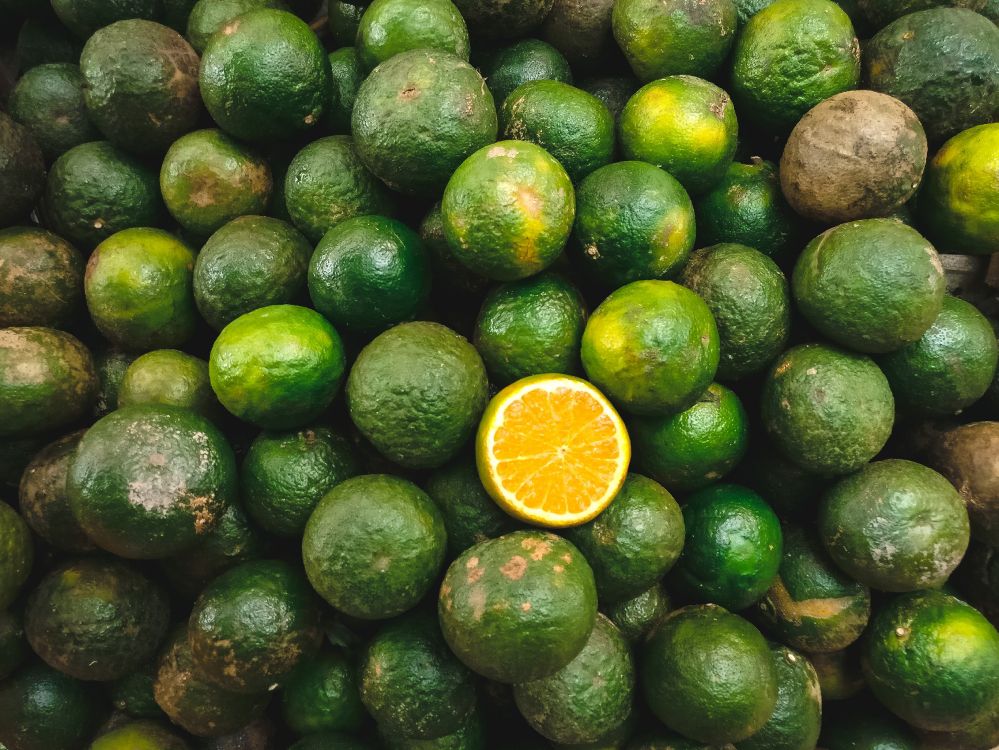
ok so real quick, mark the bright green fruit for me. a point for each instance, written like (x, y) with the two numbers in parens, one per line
(139, 735)
(111, 364)
(41, 278)
(48, 100)
(170, 378)
(346, 75)
(22, 171)
(389, 27)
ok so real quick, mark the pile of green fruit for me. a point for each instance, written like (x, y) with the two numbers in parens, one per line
(499, 375)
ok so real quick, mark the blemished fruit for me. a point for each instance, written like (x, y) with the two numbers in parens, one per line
(111, 363)
(790, 56)
(508, 210)
(873, 285)
(685, 125)
(839, 431)
(857, 155)
(589, 697)
(811, 605)
(749, 298)
(895, 525)
(638, 616)
(41, 278)
(250, 96)
(797, 717)
(43, 709)
(839, 673)
(209, 16)
(278, 366)
(48, 100)
(285, 474)
(398, 99)
(661, 39)
(19, 554)
(374, 546)
(514, 19)
(531, 327)
(943, 63)
(967, 456)
(140, 84)
(708, 674)
(698, 446)
(523, 61)
(321, 695)
(579, 30)
(733, 546)
(171, 378)
(551, 450)
(390, 27)
(634, 221)
(149, 481)
(933, 660)
(253, 625)
(416, 392)
(139, 735)
(95, 619)
(957, 205)
(518, 608)
(634, 340)
(22, 170)
(633, 542)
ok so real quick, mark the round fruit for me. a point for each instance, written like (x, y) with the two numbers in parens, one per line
(811, 605)
(148, 481)
(638, 616)
(518, 608)
(827, 410)
(950, 367)
(572, 125)
(251, 262)
(22, 171)
(133, 693)
(369, 258)
(346, 76)
(111, 364)
(140, 84)
(344, 18)
(523, 61)
(170, 378)
(96, 619)
(47, 380)
(580, 30)
(797, 717)
(95, 190)
(84, 17)
(632, 544)
(449, 273)
(968, 456)
(327, 183)
(41, 278)
(418, 116)
(961, 190)
(42, 709)
(790, 56)
(321, 695)
(48, 100)
(374, 546)
(749, 299)
(685, 125)
(510, 20)
(417, 392)
(531, 327)
(733, 545)
(278, 366)
(139, 735)
(613, 90)
(390, 27)
(882, 12)
(552, 451)
(637, 337)
(18, 554)
(933, 660)
(633, 221)
(895, 525)
(208, 178)
(873, 285)
(252, 625)
(698, 446)
(589, 697)
(209, 16)
(709, 675)
(942, 62)
(265, 76)
(508, 210)
(661, 39)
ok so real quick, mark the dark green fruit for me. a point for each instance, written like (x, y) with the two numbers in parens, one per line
(22, 171)
(638, 616)
(523, 61)
(967, 456)
(42, 709)
(43, 499)
(797, 717)
(49, 101)
(321, 695)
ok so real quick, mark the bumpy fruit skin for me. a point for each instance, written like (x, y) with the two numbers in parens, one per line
(508, 20)
(96, 619)
(518, 608)
(797, 717)
(345, 76)
(638, 616)
(417, 392)
(942, 62)
(42, 496)
(253, 625)
(635, 339)
(790, 56)
(374, 546)
(708, 674)
(589, 697)
(508, 210)
(140, 85)
(47, 380)
(171, 378)
(321, 695)
(111, 364)
(149, 481)
(418, 116)
(265, 76)
(278, 366)
(839, 431)
(524, 60)
(896, 526)
(41, 278)
(22, 170)
(18, 554)
(84, 17)
(959, 199)
(471, 736)
(880, 13)
(42, 709)
(210, 16)
(390, 27)
(48, 100)
(919, 667)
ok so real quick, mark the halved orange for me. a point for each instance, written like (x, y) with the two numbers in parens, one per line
(551, 450)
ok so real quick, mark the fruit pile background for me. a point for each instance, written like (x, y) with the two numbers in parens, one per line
(306, 310)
